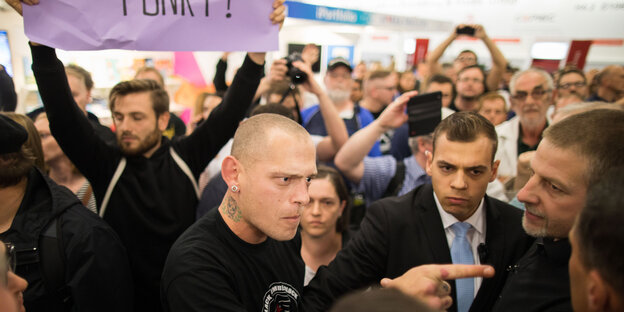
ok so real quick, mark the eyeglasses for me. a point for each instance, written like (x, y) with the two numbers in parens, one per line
(391, 88)
(466, 59)
(536, 94)
(578, 84)
(467, 79)
(8, 262)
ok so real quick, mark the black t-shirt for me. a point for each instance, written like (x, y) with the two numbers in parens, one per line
(210, 269)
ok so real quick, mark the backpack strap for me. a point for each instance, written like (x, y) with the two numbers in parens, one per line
(52, 263)
(185, 168)
(396, 184)
(111, 185)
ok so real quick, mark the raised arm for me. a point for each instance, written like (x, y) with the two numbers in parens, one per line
(219, 77)
(434, 56)
(68, 123)
(277, 72)
(498, 60)
(206, 141)
(350, 158)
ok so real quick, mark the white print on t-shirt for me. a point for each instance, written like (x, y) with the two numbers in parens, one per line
(280, 297)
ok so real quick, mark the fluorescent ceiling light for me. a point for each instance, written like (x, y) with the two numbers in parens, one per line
(409, 46)
(549, 50)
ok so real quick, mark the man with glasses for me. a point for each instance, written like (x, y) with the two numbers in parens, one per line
(379, 90)
(571, 81)
(470, 86)
(531, 95)
(12, 286)
(71, 258)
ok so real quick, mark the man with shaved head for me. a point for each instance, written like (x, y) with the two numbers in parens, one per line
(242, 255)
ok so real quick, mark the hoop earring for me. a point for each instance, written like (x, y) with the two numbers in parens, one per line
(234, 188)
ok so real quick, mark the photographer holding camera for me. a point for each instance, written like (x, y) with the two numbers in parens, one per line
(468, 57)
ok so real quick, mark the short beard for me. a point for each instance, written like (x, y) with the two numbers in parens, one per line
(469, 98)
(337, 95)
(541, 232)
(148, 143)
(15, 167)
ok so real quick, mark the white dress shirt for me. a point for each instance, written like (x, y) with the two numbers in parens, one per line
(475, 235)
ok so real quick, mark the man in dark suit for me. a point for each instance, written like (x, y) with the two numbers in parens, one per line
(418, 228)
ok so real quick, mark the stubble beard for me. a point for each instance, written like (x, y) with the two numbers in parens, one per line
(145, 145)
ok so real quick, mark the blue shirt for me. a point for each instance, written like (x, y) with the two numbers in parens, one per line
(314, 123)
(379, 171)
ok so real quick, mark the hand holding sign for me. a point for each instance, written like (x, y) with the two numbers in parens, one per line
(427, 282)
(157, 25)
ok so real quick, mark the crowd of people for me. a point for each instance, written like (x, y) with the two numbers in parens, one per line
(286, 193)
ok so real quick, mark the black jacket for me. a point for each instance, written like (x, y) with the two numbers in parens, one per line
(399, 233)
(154, 200)
(97, 274)
(8, 97)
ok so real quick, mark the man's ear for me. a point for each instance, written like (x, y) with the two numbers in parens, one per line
(230, 171)
(494, 170)
(599, 294)
(423, 144)
(429, 162)
(163, 121)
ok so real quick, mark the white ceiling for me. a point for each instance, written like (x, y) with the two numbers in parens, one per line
(541, 19)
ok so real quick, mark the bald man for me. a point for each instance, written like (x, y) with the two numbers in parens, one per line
(242, 256)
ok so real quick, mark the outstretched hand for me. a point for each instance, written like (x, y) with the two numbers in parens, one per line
(427, 282)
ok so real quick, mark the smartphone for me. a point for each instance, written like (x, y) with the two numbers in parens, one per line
(424, 113)
(466, 30)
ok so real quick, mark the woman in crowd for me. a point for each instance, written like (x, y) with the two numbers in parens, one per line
(204, 104)
(33, 140)
(407, 82)
(60, 168)
(325, 220)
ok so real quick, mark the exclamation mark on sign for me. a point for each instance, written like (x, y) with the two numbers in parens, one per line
(228, 15)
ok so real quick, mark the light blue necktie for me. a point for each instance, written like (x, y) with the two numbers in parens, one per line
(461, 253)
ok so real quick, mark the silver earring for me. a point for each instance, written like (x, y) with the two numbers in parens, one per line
(234, 188)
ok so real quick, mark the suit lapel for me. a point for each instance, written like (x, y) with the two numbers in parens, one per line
(431, 222)
(495, 248)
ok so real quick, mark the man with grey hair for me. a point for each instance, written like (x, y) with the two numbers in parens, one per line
(241, 256)
(531, 94)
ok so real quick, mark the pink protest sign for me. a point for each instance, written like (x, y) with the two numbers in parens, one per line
(153, 25)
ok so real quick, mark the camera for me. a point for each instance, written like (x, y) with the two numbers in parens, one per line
(297, 76)
(466, 30)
